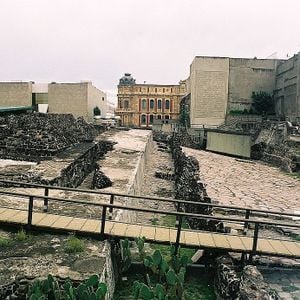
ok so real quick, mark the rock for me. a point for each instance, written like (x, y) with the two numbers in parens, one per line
(89, 265)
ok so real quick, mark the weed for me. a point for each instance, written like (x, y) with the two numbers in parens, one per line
(4, 242)
(74, 245)
(21, 236)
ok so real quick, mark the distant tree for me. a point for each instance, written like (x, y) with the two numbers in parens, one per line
(262, 102)
(97, 111)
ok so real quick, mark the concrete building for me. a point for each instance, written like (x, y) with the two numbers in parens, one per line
(15, 94)
(140, 104)
(287, 91)
(79, 99)
(218, 85)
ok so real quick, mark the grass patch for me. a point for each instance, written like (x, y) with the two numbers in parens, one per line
(4, 242)
(21, 235)
(294, 175)
(170, 220)
(74, 245)
(199, 288)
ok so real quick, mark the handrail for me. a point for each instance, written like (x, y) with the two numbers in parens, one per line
(179, 216)
(151, 210)
(270, 212)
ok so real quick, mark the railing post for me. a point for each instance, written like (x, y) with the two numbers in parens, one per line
(30, 209)
(178, 235)
(246, 224)
(111, 201)
(177, 219)
(254, 245)
(103, 218)
(46, 194)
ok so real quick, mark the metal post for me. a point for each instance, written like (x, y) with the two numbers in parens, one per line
(103, 218)
(254, 245)
(30, 209)
(46, 194)
(177, 219)
(246, 224)
(111, 201)
(178, 235)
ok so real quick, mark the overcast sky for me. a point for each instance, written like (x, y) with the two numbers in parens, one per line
(156, 41)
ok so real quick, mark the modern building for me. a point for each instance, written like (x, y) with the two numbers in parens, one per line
(140, 104)
(218, 86)
(78, 99)
(287, 89)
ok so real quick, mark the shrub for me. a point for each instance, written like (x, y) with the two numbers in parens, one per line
(4, 242)
(21, 235)
(74, 245)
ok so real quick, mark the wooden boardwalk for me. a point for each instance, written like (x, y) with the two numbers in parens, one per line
(189, 238)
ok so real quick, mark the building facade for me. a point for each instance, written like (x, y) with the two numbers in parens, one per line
(140, 104)
(218, 86)
(78, 99)
(287, 90)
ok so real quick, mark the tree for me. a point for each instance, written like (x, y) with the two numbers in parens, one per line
(97, 111)
(262, 102)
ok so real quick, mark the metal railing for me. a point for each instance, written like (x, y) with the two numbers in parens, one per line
(178, 214)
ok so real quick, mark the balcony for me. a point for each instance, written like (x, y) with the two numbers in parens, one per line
(124, 110)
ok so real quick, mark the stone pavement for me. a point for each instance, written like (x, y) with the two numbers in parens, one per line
(232, 181)
(285, 282)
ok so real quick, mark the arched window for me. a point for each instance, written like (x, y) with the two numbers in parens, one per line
(167, 104)
(143, 119)
(144, 104)
(151, 119)
(126, 104)
(159, 104)
(151, 104)
(167, 117)
(159, 117)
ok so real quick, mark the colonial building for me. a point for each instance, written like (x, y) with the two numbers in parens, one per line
(140, 104)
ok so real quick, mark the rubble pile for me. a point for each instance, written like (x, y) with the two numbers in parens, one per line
(100, 180)
(36, 135)
(188, 186)
(246, 284)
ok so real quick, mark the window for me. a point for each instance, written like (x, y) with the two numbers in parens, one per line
(155, 90)
(167, 104)
(126, 104)
(102, 98)
(151, 119)
(167, 117)
(144, 103)
(151, 104)
(120, 104)
(159, 117)
(163, 90)
(143, 119)
(159, 104)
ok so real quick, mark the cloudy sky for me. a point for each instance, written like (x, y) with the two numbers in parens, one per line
(155, 40)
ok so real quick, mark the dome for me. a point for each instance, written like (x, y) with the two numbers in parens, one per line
(127, 79)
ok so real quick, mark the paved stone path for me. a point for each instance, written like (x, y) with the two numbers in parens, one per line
(253, 184)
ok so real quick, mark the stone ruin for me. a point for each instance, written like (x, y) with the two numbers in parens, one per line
(34, 136)
(189, 186)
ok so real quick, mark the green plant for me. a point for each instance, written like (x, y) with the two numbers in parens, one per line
(125, 255)
(21, 235)
(74, 245)
(49, 289)
(168, 276)
(4, 242)
(263, 102)
(140, 242)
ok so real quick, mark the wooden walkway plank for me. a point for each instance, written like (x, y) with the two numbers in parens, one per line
(118, 229)
(221, 241)
(20, 217)
(248, 242)
(133, 231)
(108, 227)
(8, 215)
(206, 239)
(162, 234)
(292, 247)
(44, 220)
(148, 232)
(173, 235)
(189, 238)
(279, 247)
(263, 245)
(236, 243)
(91, 226)
(76, 224)
(62, 222)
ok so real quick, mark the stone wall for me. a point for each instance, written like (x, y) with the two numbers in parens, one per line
(15, 94)
(189, 187)
(36, 136)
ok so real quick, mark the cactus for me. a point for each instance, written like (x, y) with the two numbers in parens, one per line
(140, 242)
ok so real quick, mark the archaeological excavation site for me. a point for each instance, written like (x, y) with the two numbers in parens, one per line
(90, 212)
